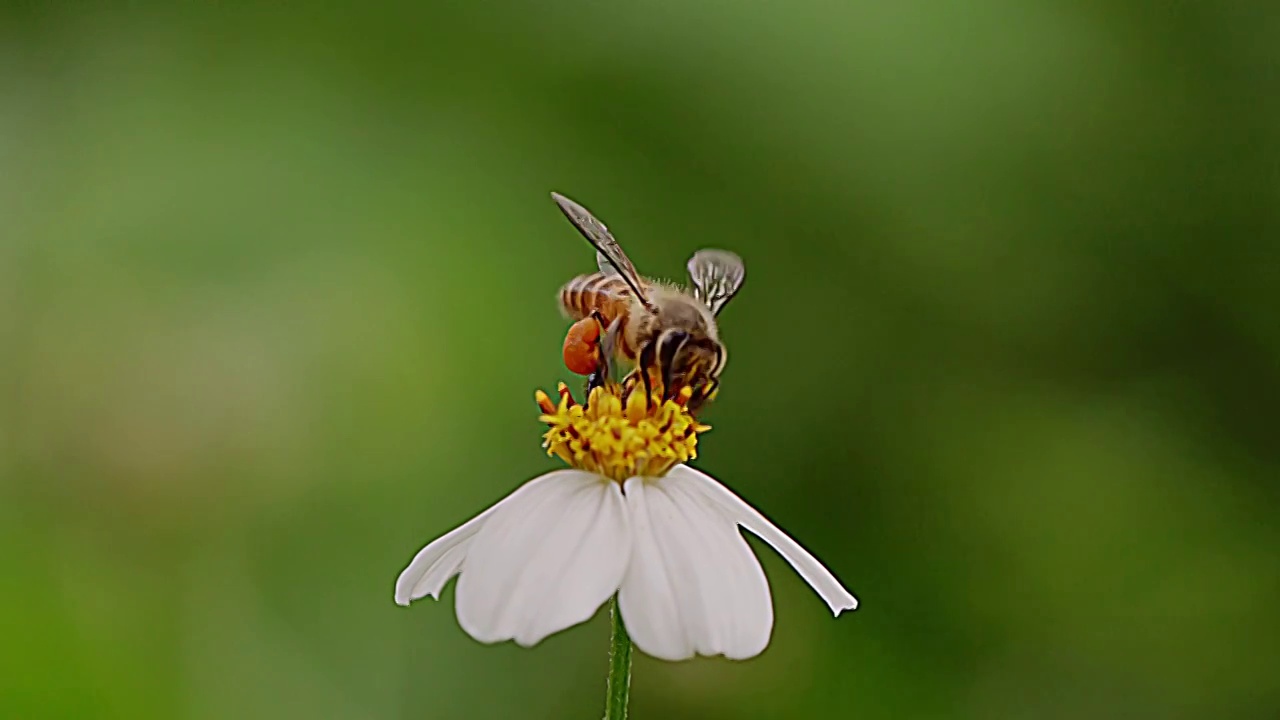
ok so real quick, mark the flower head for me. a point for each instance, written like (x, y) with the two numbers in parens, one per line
(628, 517)
(618, 434)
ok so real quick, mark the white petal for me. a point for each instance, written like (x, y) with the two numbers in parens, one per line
(434, 564)
(693, 585)
(736, 509)
(546, 559)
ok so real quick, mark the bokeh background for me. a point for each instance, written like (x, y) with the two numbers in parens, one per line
(277, 284)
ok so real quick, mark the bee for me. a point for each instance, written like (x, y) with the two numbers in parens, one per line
(667, 331)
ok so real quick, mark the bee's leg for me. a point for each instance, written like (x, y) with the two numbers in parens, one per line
(609, 347)
(675, 339)
(699, 399)
(608, 342)
(647, 356)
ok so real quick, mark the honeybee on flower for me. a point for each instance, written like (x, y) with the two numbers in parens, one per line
(629, 519)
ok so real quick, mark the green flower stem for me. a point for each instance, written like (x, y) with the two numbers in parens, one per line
(619, 688)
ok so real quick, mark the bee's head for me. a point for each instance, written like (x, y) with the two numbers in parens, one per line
(693, 360)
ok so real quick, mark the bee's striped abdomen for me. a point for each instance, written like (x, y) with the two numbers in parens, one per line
(597, 292)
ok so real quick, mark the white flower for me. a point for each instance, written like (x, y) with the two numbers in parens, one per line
(547, 556)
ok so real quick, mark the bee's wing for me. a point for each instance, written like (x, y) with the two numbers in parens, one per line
(605, 264)
(609, 254)
(717, 276)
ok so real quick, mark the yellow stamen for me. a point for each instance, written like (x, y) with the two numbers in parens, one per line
(617, 434)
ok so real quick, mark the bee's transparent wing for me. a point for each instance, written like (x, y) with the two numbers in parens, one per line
(605, 264)
(609, 254)
(717, 276)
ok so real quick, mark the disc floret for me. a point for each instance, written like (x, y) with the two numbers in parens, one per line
(619, 435)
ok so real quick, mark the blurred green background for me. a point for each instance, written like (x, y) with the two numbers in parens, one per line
(277, 284)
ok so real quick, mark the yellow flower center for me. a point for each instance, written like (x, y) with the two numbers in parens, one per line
(619, 435)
